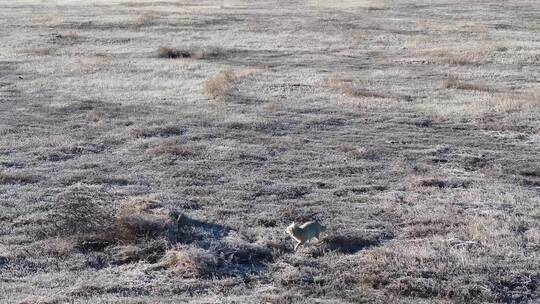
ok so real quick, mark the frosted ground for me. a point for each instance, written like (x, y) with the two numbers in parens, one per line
(155, 151)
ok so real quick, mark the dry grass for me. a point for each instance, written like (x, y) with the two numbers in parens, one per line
(527, 101)
(157, 131)
(453, 82)
(139, 217)
(473, 53)
(121, 182)
(80, 211)
(218, 86)
(349, 88)
(189, 262)
(495, 109)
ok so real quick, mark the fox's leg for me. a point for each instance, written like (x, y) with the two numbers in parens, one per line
(298, 244)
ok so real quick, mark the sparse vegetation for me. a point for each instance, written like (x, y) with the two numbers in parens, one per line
(453, 82)
(413, 140)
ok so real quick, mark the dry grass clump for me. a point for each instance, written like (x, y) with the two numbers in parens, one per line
(139, 217)
(84, 214)
(466, 54)
(452, 82)
(349, 88)
(80, 210)
(526, 101)
(157, 131)
(220, 84)
(494, 110)
(189, 262)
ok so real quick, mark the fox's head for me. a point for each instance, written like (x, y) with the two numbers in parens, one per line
(290, 227)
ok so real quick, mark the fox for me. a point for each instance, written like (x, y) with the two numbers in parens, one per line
(305, 232)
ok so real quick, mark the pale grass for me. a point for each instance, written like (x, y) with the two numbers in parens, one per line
(218, 85)
(470, 53)
(478, 102)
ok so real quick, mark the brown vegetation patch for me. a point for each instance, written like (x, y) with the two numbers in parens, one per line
(459, 55)
(219, 85)
(80, 210)
(453, 82)
(526, 101)
(189, 262)
(139, 217)
(157, 131)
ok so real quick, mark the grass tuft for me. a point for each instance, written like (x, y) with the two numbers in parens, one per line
(453, 82)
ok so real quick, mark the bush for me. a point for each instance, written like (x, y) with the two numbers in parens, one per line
(81, 209)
